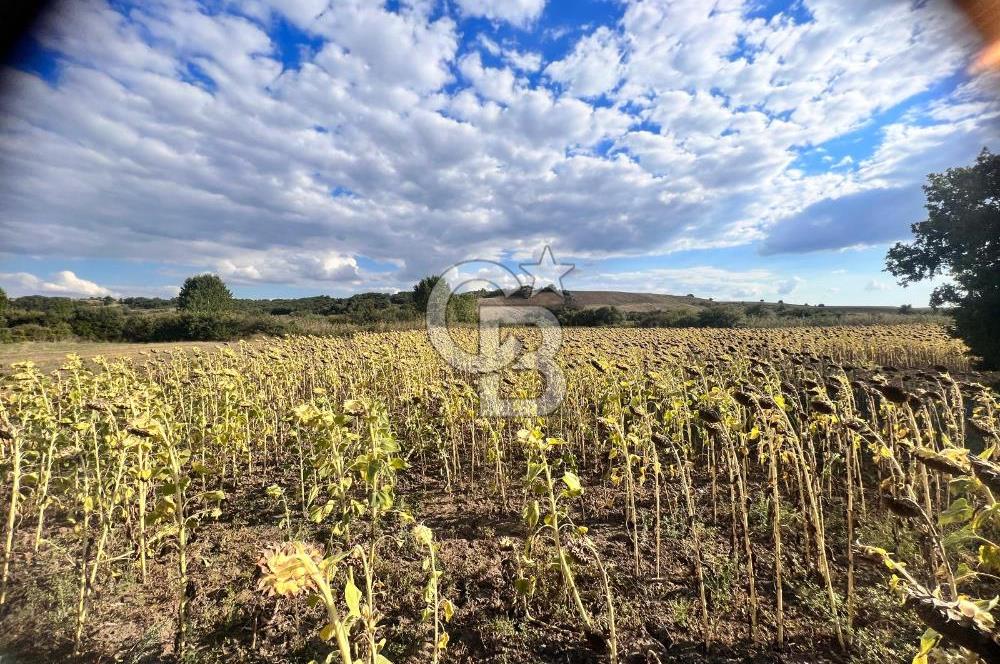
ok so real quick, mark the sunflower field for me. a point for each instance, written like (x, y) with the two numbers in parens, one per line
(791, 494)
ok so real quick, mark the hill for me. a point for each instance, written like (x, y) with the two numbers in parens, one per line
(649, 302)
(626, 302)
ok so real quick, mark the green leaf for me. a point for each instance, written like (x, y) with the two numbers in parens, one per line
(958, 512)
(525, 586)
(573, 486)
(928, 641)
(532, 511)
(989, 557)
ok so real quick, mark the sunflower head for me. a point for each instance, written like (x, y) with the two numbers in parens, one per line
(289, 570)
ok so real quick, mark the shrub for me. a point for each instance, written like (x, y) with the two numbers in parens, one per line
(98, 323)
(35, 332)
(600, 317)
(720, 317)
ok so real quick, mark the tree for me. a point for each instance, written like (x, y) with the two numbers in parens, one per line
(422, 292)
(959, 239)
(204, 293)
(3, 302)
(720, 317)
(98, 323)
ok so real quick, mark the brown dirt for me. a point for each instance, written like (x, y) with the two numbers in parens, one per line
(657, 617)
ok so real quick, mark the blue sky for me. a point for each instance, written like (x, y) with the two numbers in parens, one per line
(732, 149)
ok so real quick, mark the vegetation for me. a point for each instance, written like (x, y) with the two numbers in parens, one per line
(422, 292)
(721, 490)
(206, 311)
(204, 293)
(959, 239)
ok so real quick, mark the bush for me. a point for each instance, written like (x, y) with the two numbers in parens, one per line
(60, 307)
(669, 318)
(35, 332)
(184, 326)
(98, 323)
(720, 317)
(600, 317)
(147, 303)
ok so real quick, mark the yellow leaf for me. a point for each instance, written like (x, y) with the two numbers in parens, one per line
(352, 596)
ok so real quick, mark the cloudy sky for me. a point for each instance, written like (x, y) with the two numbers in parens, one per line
(733, 149)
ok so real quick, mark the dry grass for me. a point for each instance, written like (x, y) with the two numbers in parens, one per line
(49, 355)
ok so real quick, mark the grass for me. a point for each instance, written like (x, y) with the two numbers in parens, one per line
(49, 355)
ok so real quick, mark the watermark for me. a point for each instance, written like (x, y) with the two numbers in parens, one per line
(495, 355)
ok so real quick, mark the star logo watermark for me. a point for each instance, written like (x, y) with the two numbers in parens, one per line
(547, 273)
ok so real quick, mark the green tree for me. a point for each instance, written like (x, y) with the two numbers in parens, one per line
(959, 239)
(422, 292)
(720, 316)
(98, 323)
(464, 308)
(3, 303)
(204, 293)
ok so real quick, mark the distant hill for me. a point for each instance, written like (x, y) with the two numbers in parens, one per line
(646, 302)
(594, 299)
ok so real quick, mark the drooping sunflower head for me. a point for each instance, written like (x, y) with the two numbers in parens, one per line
(289, 570)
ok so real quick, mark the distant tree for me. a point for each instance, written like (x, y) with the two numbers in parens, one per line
(146, 303)
(3, 302)
(59, 307)
(204, 293)
(757, 310)
(464, 308)
(720, 317)
(959, 239)
(606, 316)
(402, 298)
(906, 309)
(98, 323)
(422, 292)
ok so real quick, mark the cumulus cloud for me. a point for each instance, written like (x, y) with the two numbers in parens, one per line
(195, 134)
(518, 12)
(703, 281)
(64, 283)
(592, 68)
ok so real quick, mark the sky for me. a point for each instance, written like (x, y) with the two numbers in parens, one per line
(733, 149)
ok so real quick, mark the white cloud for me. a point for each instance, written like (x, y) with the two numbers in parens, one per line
(518, 12)
(876, 285)
(178, 135)
(64, 283)
(702, 281)
(594, 66)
